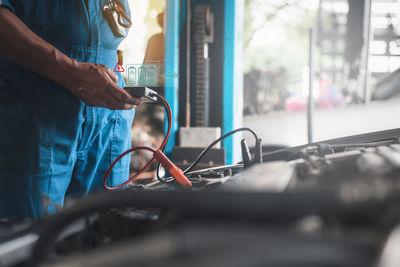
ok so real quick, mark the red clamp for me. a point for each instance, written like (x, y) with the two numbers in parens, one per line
(172, 169)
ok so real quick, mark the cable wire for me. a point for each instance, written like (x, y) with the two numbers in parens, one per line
(206, 150)
(161, 148)
(169, 114)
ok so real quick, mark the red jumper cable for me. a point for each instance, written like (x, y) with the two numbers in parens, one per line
(157, 155)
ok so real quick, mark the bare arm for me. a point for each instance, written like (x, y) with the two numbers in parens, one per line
(95, 84)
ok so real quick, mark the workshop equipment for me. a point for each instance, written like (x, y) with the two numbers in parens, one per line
(198, 132)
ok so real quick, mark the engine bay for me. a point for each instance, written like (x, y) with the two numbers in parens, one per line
(333, 203)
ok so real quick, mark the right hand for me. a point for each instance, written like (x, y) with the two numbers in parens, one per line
(97, 86)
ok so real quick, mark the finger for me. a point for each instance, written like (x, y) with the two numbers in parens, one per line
(111, 74)
(123, 96)
(99, 104)
(128, 107)
(123, 107)
(114, 104)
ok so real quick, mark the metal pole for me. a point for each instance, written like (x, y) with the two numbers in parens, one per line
(366, 52)
(188, 50)
(310, 106)
(233, 76)
(172, 28)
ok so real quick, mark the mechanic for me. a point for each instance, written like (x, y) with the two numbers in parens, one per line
(63, 114)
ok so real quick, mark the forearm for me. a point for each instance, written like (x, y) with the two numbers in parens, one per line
(95, 84)
(23, 47)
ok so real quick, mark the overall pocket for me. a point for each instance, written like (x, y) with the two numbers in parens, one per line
(121, 138)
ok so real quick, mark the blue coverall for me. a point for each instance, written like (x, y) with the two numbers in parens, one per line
(52, 144)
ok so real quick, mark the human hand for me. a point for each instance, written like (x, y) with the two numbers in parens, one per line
(97, 86)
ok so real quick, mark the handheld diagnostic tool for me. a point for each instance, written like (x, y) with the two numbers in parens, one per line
(143, 93)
